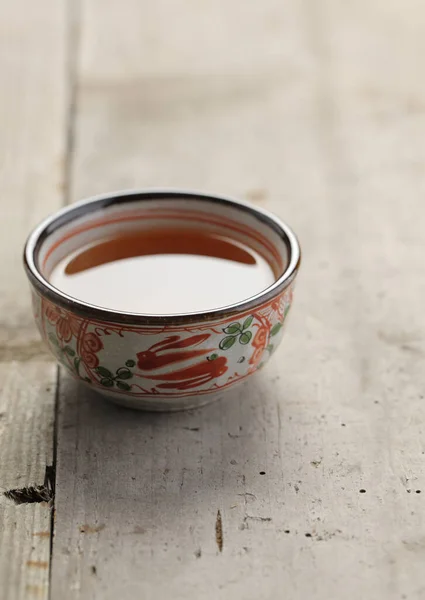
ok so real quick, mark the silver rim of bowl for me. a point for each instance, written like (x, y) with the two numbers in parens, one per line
(68, 214)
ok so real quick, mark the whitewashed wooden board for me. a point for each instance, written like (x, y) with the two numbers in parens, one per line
(309, 482)
(33, 110)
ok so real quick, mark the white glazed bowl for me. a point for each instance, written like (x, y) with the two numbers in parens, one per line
(124, 355)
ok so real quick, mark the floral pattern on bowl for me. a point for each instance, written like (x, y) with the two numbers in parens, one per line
(162, 362)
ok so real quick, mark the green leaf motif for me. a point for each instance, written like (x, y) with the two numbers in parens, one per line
(212, 356)
(241, 359)
(270, 348)
(87, 379)
(104, 372)
(122, 385)
(77, 364)
(227, 342)
(130, 363)
(106, 382)
(233, 328)
(124, 373)
(287, 307)
(247, 322)
(69, 351)
(245, 337)
(276, 328)
(53, 339)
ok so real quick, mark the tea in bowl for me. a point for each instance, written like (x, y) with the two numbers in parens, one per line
(161, 300)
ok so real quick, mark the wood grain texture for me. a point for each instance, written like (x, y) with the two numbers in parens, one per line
(26, 447)
(32, 113)
(309, 481)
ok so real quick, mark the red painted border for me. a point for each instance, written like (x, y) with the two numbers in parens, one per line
(160, 213)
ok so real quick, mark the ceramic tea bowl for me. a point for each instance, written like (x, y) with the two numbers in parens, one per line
(161, 362)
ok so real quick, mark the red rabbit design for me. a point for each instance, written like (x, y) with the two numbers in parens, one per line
(193, 376)
(159, 354)
(173, 350)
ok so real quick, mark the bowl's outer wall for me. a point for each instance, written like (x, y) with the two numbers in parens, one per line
(163, 366)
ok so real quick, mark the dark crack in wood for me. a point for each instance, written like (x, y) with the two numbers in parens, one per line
(34, 493)
(219, 531)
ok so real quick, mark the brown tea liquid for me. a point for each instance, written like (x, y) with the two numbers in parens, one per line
(163, 272)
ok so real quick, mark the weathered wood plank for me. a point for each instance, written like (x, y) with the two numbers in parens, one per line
(32, 110)
(26, 446)
(315, 468)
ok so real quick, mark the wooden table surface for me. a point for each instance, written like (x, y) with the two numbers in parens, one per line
(316, 111)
